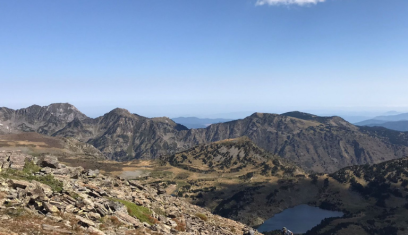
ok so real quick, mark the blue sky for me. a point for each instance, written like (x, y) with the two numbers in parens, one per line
(205, 58)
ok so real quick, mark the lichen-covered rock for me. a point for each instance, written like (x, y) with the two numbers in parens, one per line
(50, 208)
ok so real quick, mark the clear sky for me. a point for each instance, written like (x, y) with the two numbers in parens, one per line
(205, 57)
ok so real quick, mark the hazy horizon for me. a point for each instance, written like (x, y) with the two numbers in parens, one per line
(206, 58)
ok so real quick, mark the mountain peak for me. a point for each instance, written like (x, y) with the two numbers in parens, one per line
(256, 114)
(122, 112)
(65, 111)
(61, 105)
(263, 115)
(300, 115)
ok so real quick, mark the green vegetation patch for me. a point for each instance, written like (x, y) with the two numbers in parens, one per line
(140, 212)
(202, 216)
(161, 174)
(28, 174)
(182, 176)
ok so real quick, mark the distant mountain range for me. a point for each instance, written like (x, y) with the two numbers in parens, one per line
(321, 144)
(397, 122)
(194, 123)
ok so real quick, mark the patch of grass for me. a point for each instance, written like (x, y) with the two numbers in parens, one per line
(159, 211)
(15, 212)
(28, 174)
(202, 216)
(31, 168)
(49, 180)
(74, 195)
(161, 174)
(140, 212)
(182, 176)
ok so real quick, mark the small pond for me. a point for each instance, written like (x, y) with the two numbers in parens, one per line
(298, 219)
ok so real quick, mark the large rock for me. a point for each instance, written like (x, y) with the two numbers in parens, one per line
(127, 218)
(85, 222)
(4, 157)
(95, 231)
(47, 190)
(101, 209)
(136, 184)
(20, 184)
(117, 206)
(72, 172)
(50, 208)
(92, 173)
(55, 229)
(17, 160)
(50, 161)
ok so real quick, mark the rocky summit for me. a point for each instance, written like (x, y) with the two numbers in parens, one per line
(40, 195)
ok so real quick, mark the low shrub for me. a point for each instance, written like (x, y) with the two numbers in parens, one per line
(202, 216)
(140, 212)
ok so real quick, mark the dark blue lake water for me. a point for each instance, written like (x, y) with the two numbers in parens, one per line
(298, 219)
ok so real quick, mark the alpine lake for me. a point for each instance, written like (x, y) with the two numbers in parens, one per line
(298, 219)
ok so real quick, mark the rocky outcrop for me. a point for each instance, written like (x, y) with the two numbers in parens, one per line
(13, 160)
(92, 203)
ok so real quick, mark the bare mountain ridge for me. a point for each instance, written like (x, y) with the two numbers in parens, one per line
(45, 120)
(322, 144)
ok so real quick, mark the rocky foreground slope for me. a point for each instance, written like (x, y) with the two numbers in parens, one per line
(43, 196)
(320, 144)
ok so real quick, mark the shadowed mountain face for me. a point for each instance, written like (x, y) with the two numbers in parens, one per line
(322, 144)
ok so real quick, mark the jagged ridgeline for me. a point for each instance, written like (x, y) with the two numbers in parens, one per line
(321, 144)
